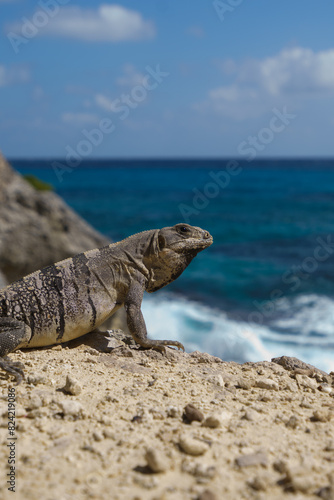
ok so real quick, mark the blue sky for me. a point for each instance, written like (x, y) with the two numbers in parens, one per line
(163, 78)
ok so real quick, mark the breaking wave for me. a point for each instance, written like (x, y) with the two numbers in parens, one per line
(305, 329)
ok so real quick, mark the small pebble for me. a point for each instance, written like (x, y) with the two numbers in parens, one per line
(306, 382)
(112, 343)
(205, 471)
(72, 386)
(91, 350)
(109, 433)
(212, 421)
(245, 384)
(72, 408)
(327, 493)
(174, 412)
(199, 470)
(35, 379)
(97, 436)
(251, 459)
(326, 388)
(291, 386)
(330, 445)
(147, 482)
(137, 419)
(225, 417)
(267, 383)
(292, 423)
(57, 347)
(34, 402)
(193, 414)
(280, 466)
(299, 479)
(259, 483)
(156, 460)
(217, 380)
(321, 416)
(251, 415)
(207, 495)
(193, 446)
(306, 404)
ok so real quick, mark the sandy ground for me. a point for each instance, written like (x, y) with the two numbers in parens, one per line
(95, 421)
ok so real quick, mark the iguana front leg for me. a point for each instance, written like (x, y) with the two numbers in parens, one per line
(12, 334)
(136, 322)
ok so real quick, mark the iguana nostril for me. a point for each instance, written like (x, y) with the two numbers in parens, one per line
(206, 235)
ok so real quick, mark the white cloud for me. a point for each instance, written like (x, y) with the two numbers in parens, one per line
(259, 84)
(233, 102)
(292, 70)
(12, 75)
(109, 22)
(79, 118)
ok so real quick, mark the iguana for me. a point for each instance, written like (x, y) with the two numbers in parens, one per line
(73, 297)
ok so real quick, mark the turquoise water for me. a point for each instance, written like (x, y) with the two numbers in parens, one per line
(265, 287)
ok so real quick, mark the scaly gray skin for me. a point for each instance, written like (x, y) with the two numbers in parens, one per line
(75, 296)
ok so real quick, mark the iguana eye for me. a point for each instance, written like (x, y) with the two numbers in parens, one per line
(183, 229)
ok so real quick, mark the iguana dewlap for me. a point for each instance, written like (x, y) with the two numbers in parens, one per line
(73, 297)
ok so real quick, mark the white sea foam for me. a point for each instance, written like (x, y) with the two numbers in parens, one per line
(312, 315)
(305, 330)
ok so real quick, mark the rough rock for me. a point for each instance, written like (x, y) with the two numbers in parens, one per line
(295, 364)
(192, 446)
(72, 386)
(72, 408)
(245, 384)
(252, 459)
(322, 415)
(3, 281)
(267, 383)
(260, 482)
(191, 413)
(303, 381)
(218, 419)
(271, 444)
(156, 460)
(207, 495)
(37, 228)
(213, 421)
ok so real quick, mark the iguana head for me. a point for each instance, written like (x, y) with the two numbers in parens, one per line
(173, 250)
(183, 238)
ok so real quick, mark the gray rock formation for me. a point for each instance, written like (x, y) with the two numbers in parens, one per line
(3, 281)
(37, 228)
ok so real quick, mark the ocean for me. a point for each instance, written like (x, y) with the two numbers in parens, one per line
(265, 288)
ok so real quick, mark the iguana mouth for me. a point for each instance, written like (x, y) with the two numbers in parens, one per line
(203, 243)
(190, 244)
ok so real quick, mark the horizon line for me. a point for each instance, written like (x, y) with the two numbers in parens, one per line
(175, 158)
